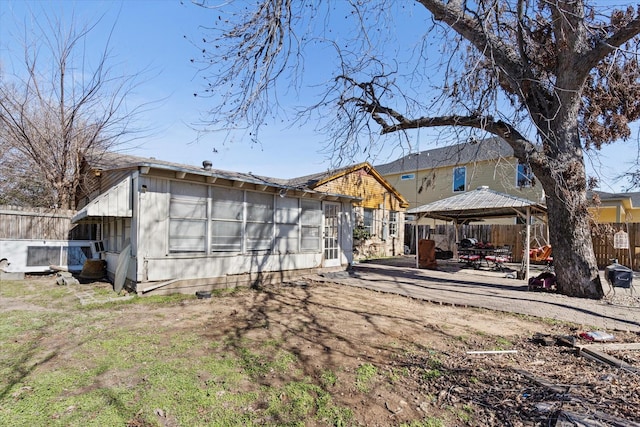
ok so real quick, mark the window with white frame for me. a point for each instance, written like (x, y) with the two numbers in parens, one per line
(259, 225)
(227, 213)
(187, 217)
(367, 221)
(393, 223)
(459, 179)
(287, 220)
(311, 223)
(524, 176)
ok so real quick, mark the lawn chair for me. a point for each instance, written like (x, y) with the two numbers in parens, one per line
(471, 260)
(541, 255)
(497, 262)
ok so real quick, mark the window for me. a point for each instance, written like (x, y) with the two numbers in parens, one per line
(367, 221)
(127, 231)
(407, 176)
(287, 228)
(43, 255)
(393, 223)
(111, 234)
(227, 212)
(524, 176)
(459, 179)
(187, 217)
(310, 221)
(259, 231)
(119, 239)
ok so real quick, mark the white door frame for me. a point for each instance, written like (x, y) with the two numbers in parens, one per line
(331, 232)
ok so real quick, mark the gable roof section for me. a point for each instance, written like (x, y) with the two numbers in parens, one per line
(316, 180)
(477, 204)
(628, 200)
(452, 155)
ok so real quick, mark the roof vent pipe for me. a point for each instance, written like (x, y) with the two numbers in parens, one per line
(206, 165)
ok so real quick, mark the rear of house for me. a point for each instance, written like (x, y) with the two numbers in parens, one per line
(378, 208)
(175, 228)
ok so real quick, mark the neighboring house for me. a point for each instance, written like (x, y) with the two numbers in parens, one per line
(379, 210)
(615, 207)
(433, 175)
(168, 227)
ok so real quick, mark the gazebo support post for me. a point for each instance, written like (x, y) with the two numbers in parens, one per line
(527, 247)
(418, 216)
(456, 227)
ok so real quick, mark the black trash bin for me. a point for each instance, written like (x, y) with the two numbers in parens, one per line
(618, 276)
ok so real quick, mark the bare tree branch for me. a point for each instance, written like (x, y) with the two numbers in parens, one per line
(50, 117)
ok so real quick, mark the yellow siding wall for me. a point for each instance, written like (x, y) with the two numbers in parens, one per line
(431, 185)
(364, 185)
(608, 214)
(360, 183)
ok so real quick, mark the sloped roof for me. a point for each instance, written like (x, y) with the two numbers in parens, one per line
(458, 154)
(315, 180)
(633, 197)
(110, 161)
(477, 204)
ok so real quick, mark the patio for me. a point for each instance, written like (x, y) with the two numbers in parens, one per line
(455, 284)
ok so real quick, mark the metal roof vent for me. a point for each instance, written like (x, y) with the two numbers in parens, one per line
(206, 165)
(483, 187)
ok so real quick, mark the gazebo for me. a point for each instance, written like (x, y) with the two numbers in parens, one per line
(480, 204)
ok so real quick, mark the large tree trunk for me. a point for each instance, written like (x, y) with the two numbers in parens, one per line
(562, 175)
(570, 234)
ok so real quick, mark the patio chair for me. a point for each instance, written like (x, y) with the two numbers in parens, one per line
(471, 260)
(541, 255)
(497, 261)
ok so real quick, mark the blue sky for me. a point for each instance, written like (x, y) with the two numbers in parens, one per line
(149, 37)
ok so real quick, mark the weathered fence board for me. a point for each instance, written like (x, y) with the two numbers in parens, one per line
(39, 223)
(513, 236)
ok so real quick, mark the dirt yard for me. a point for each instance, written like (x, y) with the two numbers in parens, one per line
(421, 371)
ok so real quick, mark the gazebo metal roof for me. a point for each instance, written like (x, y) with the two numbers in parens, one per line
(478, 204)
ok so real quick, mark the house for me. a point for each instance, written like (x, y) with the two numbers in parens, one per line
(615, 207)
(379, 209)
(169, 228)
(437, 174)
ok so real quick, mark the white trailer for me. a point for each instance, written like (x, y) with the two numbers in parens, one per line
(39, 256)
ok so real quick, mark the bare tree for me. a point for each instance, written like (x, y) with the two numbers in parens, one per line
(552, 78)
(55, 107)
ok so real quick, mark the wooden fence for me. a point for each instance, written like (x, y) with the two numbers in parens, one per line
(39, 223)
(513, 236)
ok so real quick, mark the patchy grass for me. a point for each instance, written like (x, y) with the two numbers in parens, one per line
(364, 376)
(429, 422)
(318, 355)
(32, 293)
(80, 366)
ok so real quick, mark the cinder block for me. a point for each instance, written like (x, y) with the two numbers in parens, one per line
(11, 275)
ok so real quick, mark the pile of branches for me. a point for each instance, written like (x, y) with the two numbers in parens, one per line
(539, 384)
